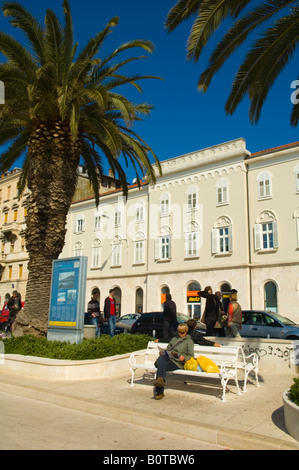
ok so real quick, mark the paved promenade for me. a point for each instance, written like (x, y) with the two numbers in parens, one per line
(190, 414)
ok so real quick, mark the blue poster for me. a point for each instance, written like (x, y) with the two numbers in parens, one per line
(68, 293)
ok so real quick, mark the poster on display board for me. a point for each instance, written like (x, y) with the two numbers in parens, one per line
(68, 287)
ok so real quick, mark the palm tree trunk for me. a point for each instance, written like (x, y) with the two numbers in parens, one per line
(52, 182)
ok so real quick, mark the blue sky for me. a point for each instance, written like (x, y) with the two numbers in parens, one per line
(183, 120)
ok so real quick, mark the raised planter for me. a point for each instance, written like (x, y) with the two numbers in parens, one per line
(291, 416)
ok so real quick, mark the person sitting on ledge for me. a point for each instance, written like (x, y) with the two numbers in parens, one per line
(197, 335)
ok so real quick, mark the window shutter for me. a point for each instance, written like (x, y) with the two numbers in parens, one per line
(258, 236)
(170, 247)
(215, 241)
(157, 249)
(275, 234)
(230, 239)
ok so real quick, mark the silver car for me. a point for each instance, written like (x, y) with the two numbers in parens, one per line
(126, 321)
(266, 324)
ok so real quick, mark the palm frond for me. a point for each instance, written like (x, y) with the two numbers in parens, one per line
(267, 58)
(236, 36)
(180, 12)
(210, 16)
(23, 19)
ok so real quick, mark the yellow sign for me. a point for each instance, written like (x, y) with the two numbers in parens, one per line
(62, 323)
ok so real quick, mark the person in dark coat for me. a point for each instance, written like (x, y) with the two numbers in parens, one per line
(14, 305)
(211, 309)
(170, 318)
(197, 337)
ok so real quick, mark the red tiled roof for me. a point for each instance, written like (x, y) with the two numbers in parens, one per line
(274, 149)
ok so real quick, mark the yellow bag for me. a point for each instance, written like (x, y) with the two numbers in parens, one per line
(191, 364)
(207, 365)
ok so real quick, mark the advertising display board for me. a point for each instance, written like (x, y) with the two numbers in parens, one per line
(68, 287)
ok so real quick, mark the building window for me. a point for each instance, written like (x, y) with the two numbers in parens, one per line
(222, 192)
(164, 204)
(266, 233)
(222, 237)
(78, 249)
(98, 221)
(9, 272)
(192, 198)
(192, 245)
(270, 292)
(139, 252)
(140, 212)
(139, 301)
(117, 217)
(163, 248)
(264, 185)
(116, 252)
(80, 224)
(20, 271)
(96, 254)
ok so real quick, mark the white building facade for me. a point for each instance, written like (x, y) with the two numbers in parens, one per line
(220, 216)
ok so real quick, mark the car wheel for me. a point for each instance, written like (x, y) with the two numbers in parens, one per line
(296, 338)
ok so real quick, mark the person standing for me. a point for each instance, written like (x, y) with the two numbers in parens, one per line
(170, 319)
(211, 309)
(110, 311)
(222, 317)
(14, 305)
(234, 316)
(93, 310)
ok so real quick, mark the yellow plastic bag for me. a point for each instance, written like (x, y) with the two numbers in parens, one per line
(191, 364)
(207, 365)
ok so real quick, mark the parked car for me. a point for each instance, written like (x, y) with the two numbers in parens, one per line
(4, 315)
(266, 324)
(128, 319)
(151, 323)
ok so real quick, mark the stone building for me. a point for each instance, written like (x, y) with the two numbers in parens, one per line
(220, 216)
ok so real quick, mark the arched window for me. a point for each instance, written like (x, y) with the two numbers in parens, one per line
(270, 293)
(116, 258)
(164, 290)
(192, 198)
(192, 240)
(78, 249)
(225, 293)
(222, 191)
(163, 245)
(222, 236)
(139, 300)
(96, 253)
(264, 181)
(266, 232)
(139, 248)
(193, 301)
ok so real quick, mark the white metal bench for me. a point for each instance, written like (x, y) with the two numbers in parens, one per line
(228, 358)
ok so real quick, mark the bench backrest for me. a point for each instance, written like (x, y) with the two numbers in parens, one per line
(231, 354)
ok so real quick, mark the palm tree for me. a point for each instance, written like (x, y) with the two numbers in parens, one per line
(62, 105)
(267, 57)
